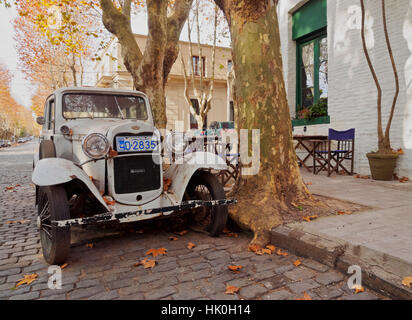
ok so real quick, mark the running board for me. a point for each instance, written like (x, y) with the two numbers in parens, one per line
(108, 216)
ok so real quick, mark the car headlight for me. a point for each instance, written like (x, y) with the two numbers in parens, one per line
(95, 146)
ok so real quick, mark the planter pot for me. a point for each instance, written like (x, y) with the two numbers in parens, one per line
(382, 165)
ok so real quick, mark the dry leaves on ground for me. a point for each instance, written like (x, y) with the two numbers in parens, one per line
(28, 279)
(305, 297)
(109, 201)
(156, 252)
(181, 233)
(407, 281)
(279, 252)
(269, 249)
(8, 188)
(90, 245)
(229, 233)
(235, 269)
(310, 218)
(191, 245)
(232, 290)
(17, 222)
(342, 213)
(358, 176)
(403, 179)
(64, 266)
(297, 263)
(172, 238)
(146, 263)
(358, 288)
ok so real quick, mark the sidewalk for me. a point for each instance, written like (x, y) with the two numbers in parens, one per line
(379, 238)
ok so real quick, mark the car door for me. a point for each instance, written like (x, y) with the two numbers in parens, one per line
(49, 116)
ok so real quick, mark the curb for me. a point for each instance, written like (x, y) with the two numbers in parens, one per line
(380, 272)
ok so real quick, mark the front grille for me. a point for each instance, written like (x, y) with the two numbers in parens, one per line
(135, 174)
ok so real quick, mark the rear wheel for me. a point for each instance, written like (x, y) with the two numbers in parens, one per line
(205, 186)
(53, 205)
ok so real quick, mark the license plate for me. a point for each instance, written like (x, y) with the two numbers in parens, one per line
(135, 144)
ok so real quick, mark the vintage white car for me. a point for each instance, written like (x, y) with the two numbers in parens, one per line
(101, 159)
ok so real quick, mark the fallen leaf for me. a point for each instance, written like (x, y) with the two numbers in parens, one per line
(156, 252)
(64, 266)
(271, 248)
(341, 213)
(400, 151)
(172, 238)
(297, 263)
(146, 263)
(305, 297)
(267, 251)
(403, 180)
(191, 245)
(358, 289)
(279, 252)
(310, 218)
(407, 282)
(17, 222)
(28, 279)
(17, 185)
(90, 245)
(235, 268)
(309, 183)
(254, 248)
(182, 233)
(9, 188)
(231, 290)
(91, 178)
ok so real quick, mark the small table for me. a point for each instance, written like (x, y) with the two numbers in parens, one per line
(306, 143)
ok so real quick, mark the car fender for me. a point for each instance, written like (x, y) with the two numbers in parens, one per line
(55, 171)
(181, 172)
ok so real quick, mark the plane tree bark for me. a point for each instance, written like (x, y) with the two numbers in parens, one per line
(149, 69)
(262, 102)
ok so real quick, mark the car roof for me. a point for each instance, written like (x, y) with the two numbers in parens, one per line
(61, 91)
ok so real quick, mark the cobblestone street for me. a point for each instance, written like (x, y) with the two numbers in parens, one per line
(107, 271)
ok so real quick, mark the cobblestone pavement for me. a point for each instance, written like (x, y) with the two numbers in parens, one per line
(106, 271)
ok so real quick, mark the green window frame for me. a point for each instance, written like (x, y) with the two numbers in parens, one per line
(315, 40)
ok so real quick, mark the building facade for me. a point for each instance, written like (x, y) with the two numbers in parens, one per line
(324, 62)
(111, 73)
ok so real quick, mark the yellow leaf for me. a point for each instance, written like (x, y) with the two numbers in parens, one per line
(182, 233)
(407, 281)
(90, 245)
(235, 268)
(28, 279)
(156, 252)
(358, 288)
(271, 248)
(231, 290)
(172, 238)
(146, 263)
(297, 263)
(305, 297)
(191, 245)
(64, 266)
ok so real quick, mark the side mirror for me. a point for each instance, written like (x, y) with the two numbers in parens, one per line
(41, 120)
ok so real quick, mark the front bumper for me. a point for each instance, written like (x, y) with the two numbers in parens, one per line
(134, 216)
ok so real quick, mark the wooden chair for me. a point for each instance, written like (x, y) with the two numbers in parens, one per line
(330, 154)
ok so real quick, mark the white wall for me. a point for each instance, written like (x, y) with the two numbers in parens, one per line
(352, 93)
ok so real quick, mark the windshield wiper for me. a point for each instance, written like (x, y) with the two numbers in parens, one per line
(118, 106)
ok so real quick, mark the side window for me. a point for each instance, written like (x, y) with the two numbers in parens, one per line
(50, 115)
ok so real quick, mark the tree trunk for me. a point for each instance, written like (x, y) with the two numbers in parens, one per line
(261, 98)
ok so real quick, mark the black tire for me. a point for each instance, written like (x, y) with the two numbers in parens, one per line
(47, 149)
(55, 241)
(205, 186)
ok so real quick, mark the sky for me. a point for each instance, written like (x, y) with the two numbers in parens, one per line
(21, 89)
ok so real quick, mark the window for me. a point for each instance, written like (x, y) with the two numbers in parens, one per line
(80, 105)
(312, 72)
(229, 65)
(196, 65)
(310, 33)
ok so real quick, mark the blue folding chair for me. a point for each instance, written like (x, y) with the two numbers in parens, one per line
(331, 157)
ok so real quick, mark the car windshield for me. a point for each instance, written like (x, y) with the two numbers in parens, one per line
(80, 105)
(228, 125)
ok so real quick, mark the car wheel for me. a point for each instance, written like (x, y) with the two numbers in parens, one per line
(53, 206)
(205, 186)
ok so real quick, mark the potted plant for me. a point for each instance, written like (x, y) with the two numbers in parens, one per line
(382, 163)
